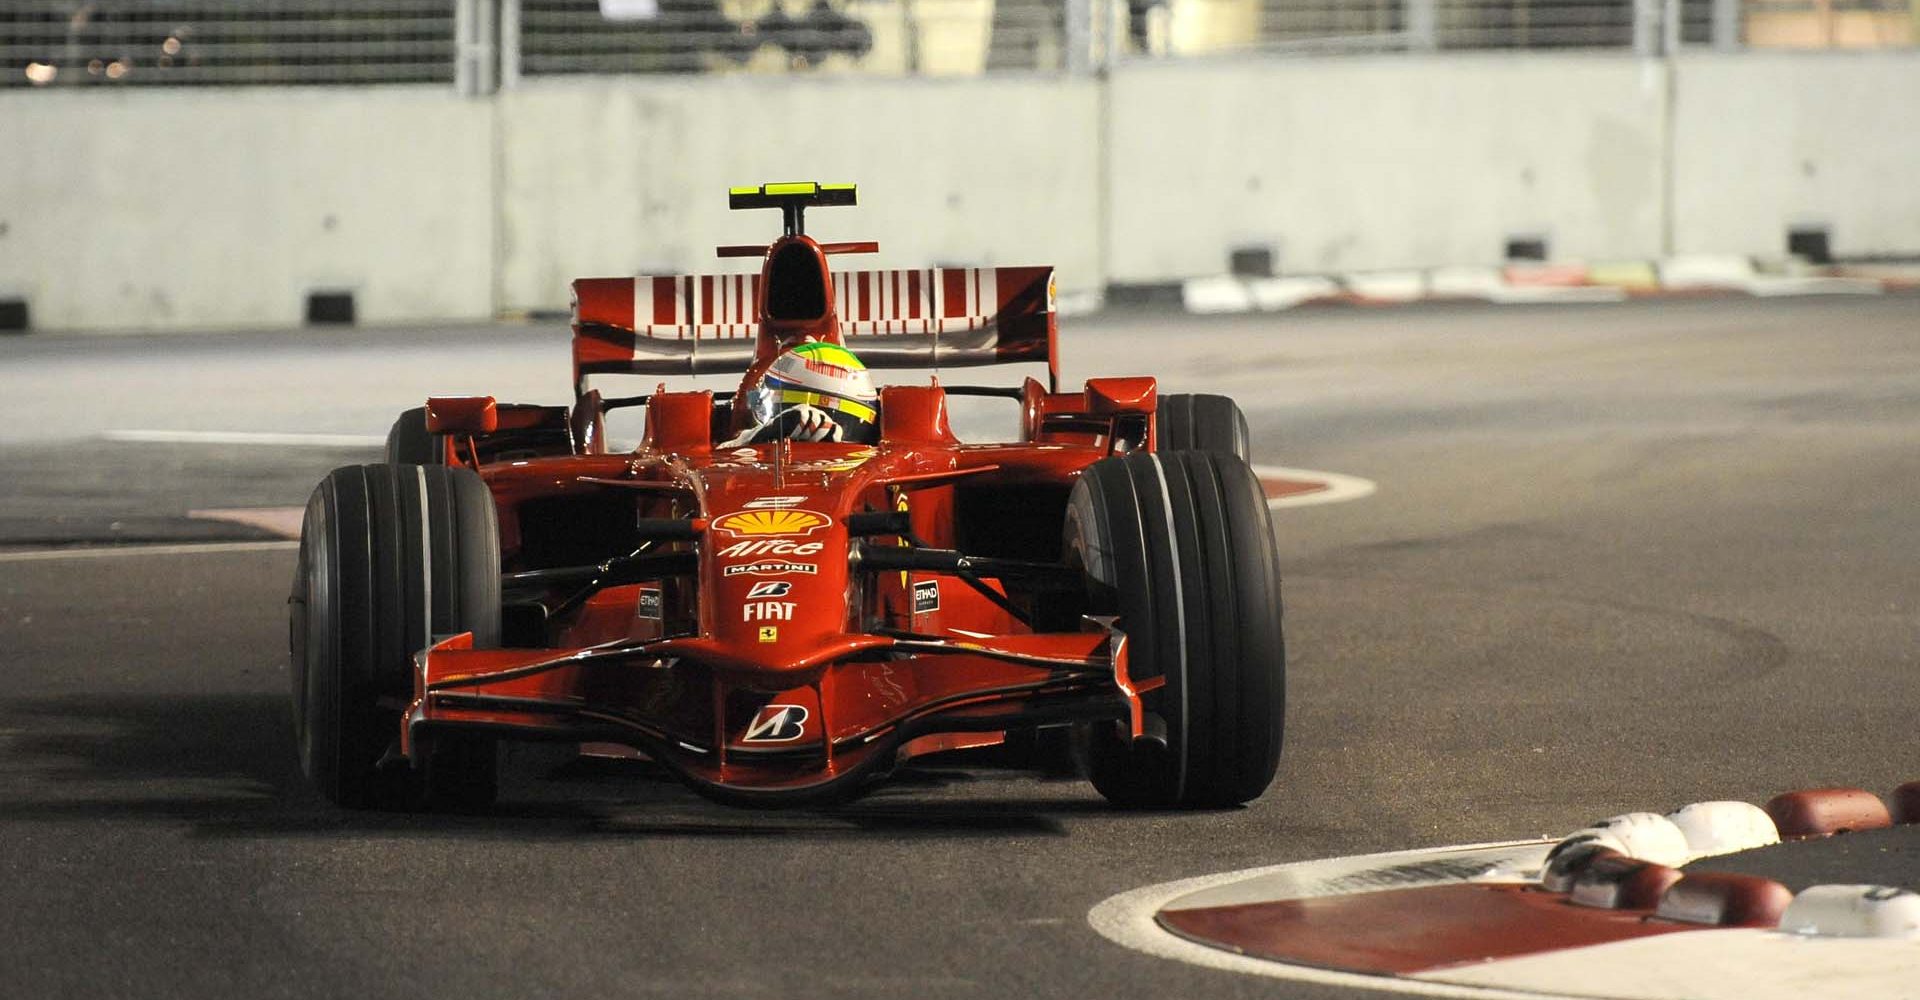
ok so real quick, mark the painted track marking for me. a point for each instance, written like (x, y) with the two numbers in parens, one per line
(247, 437)
(1128, 920)
(1706, 962)
(282, 521)
(1339, 486)
(210, 548)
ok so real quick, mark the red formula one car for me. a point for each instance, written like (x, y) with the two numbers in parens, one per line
(783, 612)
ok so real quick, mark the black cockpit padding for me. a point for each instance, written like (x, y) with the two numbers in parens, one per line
(796, 288)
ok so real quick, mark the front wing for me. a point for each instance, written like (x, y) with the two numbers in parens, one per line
(839, 719)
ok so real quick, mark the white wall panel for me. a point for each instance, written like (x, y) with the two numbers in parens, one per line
(1361, 162)
(155, 209)
(1767, 141)
(625, 176)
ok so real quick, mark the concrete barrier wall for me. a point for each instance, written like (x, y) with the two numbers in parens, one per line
(623, 176)
(1361, 163)
(150, 210)
(1767, 141)
(226, 207)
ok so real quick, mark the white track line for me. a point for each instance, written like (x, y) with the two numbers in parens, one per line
(247, 437)
(1128, 920)
(210, 548)
(1340, 486)
(282, 522)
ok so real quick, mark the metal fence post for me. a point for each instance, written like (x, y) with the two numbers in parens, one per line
(1112, 23)
(509, 44)
(1646, 27)
(1079, 37)
(473, 47)
(462, 63)
(910, 30)
(1423, 25)
(1726, 24)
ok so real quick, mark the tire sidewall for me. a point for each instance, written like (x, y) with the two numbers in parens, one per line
(1180, 548)
(390, 557)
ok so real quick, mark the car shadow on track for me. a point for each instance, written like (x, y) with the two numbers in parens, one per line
(224, 765)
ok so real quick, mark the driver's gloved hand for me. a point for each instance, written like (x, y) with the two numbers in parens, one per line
(810, 423)
(800, 423)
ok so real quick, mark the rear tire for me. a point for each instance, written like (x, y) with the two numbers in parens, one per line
(408, 442)
(1180, 547)
(1202, 422)
(390, 555)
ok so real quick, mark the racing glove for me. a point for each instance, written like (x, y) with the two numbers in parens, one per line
(801, 423)
(810, 423)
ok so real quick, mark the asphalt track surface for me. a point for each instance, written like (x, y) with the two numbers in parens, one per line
(1622, 557)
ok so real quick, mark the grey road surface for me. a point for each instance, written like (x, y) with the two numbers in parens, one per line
(1621, 557)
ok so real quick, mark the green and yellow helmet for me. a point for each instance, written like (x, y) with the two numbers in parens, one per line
(826, 376)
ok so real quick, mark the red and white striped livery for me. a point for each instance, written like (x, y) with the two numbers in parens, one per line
(893, 319)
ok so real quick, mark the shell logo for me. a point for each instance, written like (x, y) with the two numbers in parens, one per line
(759, 523)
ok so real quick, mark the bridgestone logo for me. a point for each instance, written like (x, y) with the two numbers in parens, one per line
(776, 724)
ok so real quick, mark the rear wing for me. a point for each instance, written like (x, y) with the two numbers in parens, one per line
(707, 324)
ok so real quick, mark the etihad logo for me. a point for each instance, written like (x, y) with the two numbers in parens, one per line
(761, 523)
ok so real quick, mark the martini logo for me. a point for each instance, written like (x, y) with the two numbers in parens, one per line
(770, 567)
(769, 547)
(777, 724)
(760, 523)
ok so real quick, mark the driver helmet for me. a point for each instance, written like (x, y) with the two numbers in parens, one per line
(825, 376)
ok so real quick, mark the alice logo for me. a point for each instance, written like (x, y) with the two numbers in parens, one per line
(789, 521)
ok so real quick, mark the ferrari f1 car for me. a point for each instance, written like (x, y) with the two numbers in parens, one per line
(781, 620)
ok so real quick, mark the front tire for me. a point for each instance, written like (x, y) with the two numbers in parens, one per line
(409, 443)
(390, 555)
(1180, 547)
(1203, 422)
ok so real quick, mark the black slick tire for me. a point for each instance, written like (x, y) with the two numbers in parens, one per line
(1202, 422)
(1180, 547)
(390, 556)
(408, 442)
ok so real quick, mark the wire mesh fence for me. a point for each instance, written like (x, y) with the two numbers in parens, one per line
(130, 43)
(1558, 24)
(900, 37)
(1821, 24)
(474, 43)
(684, 36)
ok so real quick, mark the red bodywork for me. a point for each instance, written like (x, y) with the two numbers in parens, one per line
(750, 645)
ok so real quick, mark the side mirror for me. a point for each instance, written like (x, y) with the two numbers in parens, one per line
(1113, 396)
(462, 415)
